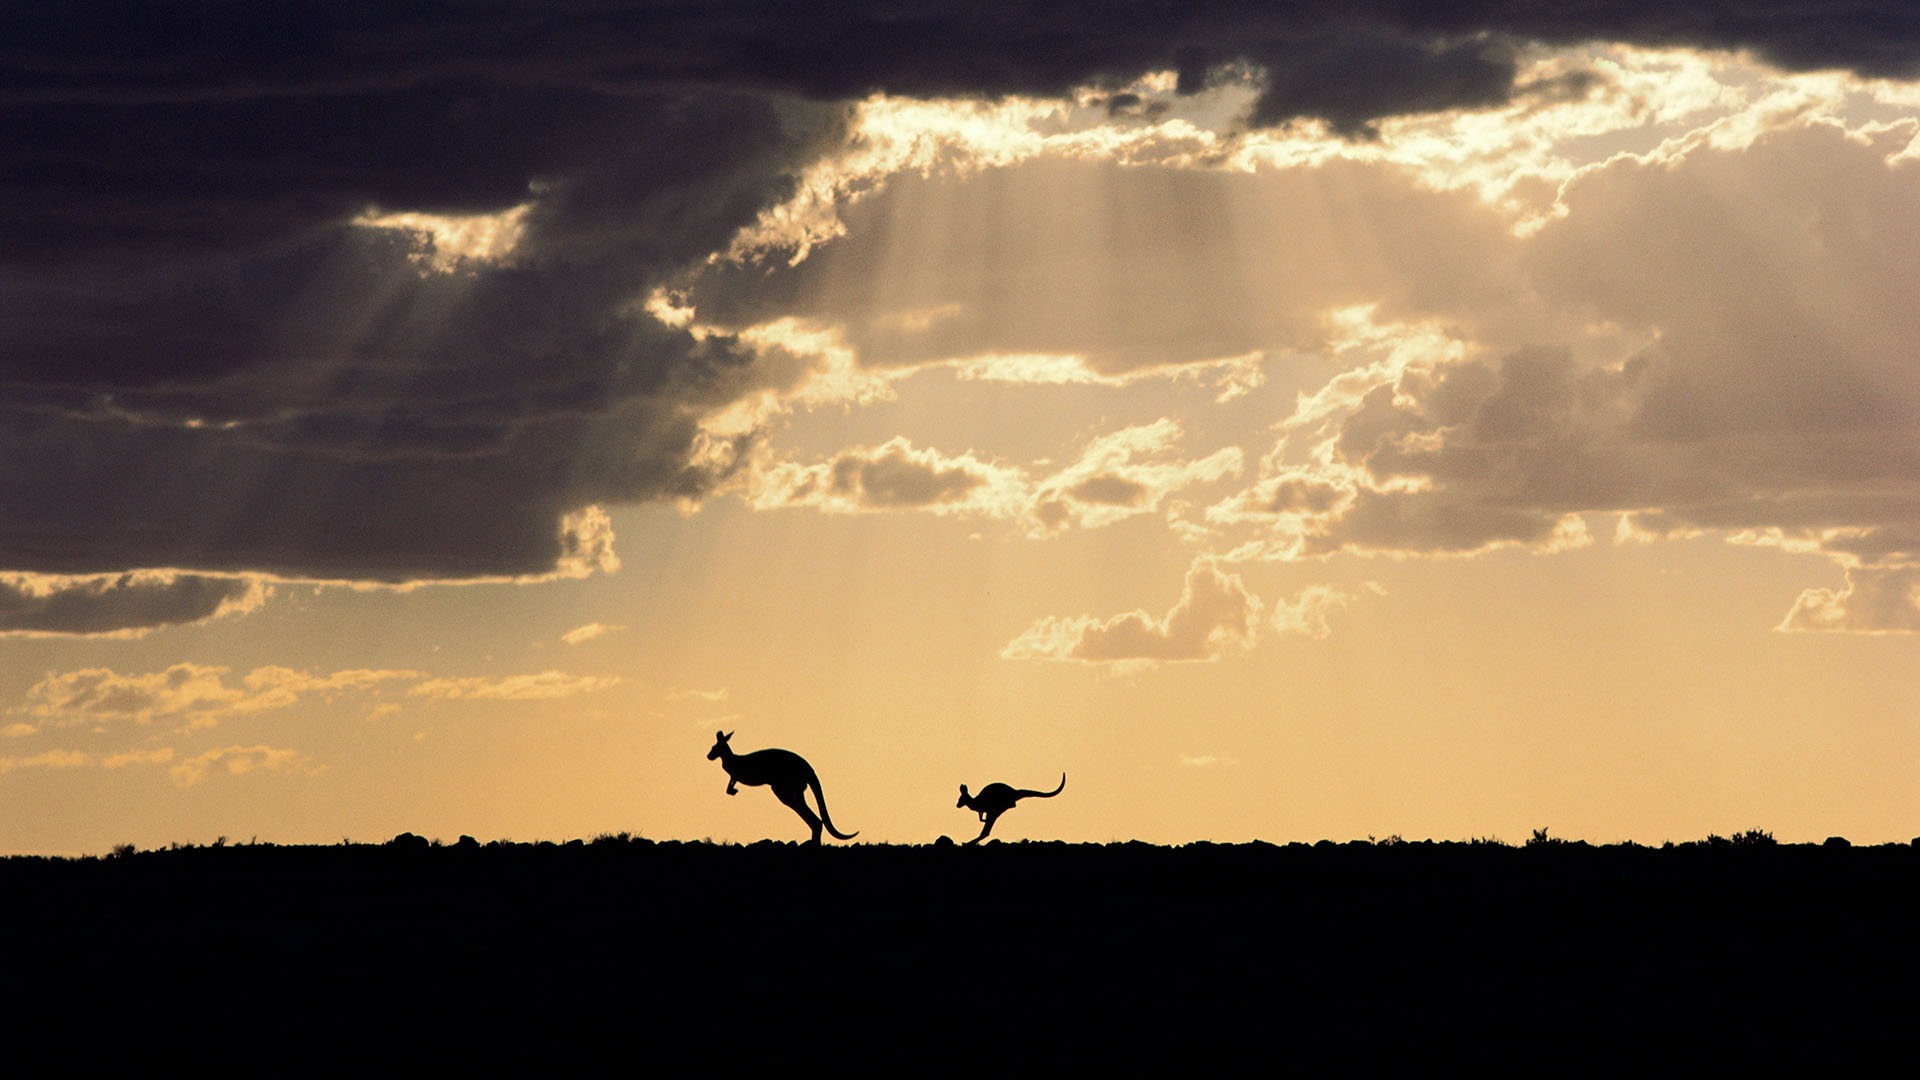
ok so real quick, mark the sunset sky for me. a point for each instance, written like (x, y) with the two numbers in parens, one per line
(1328, 420)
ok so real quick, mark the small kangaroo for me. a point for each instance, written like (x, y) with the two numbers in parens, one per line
(785, 771)
(996, 799)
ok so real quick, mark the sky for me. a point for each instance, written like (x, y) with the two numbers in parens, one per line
(1330, 420)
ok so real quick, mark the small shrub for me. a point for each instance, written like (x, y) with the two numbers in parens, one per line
(1753, 838)
(1540, 838)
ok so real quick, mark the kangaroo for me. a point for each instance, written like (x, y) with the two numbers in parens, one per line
(996, 799)
(785, 771)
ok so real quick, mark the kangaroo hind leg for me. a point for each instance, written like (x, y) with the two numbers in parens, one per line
(794, 796)
(989, 819)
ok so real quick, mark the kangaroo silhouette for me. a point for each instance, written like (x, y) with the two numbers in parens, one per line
(783, 770)
(996, 799)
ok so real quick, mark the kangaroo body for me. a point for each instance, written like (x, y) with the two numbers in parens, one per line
(786, 772)
(996, 799)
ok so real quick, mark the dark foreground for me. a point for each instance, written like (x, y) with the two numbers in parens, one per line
(944, 960)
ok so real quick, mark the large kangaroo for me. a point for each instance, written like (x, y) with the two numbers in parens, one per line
(996, 799)
(785, 771)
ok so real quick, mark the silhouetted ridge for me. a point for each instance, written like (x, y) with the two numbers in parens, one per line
(1332, 956)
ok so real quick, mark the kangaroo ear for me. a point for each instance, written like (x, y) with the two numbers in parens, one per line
(724, 738)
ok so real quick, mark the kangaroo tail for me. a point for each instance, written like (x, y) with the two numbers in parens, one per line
(1046, 794)
(821, 798)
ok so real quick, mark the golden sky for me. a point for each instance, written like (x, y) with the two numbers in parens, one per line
(1548, 459)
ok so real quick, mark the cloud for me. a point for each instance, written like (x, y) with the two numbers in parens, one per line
(1752, 378)
(1215, 616)
(271, 269)
(1119, 475)
(50, 759)
(199, 694)
(1346, 62)
(1233, 375)
(185, 772)
(122, 605)
(1307, 612)
(1117, 290)
(203, 696)
(1123, 474)
(715, 696)
(895, 475)
(539, 686)
(208, 329)
(156, 756)
(589, 631)
(242, 760)
(1873, 602)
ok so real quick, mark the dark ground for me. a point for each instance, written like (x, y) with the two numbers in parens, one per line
(1545, 958)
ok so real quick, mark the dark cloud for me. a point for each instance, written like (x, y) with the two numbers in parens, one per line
(120, 603)
(206, 366)
(309, 399)
(1348, 61)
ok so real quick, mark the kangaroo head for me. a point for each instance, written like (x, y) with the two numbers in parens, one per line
(963, 796)
(719, 744)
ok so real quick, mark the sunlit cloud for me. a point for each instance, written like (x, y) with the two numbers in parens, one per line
(538, 686)
(895, 475)
(1739, 372)
(1308, 613)
(102, 694)
(889, 135)
(159, 755)
(1216, 616)
(810, 365)
(185, 772)
(586, 545)
(241, 761)
(589, 631)
(1124, 474)
(1231, 376)
(450, 241)
(716, 695)
(1873, 601)
(50, 759)
(199, 694)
